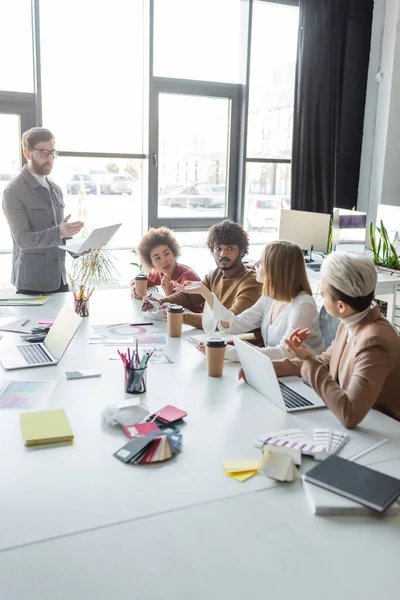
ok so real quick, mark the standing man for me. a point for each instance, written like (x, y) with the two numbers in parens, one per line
(233, 283)
(34, 208)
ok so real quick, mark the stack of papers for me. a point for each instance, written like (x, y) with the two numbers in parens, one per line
(155, 447)
(280, 463)
(324, 442)
(241, 469)
(22, 300)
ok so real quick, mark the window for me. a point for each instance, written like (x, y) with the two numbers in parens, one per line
(101, 192)
(9, 168)
(198, 39)
(272, 77)
(16, 73)
(193, 156)
(92, 74)
(270, 118)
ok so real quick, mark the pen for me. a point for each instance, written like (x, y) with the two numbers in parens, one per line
(24, 322)
(137, 324)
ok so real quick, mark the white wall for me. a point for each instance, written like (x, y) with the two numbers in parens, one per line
(380, 157)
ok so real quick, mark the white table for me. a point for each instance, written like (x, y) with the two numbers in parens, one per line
(386, 289)
(79, 523)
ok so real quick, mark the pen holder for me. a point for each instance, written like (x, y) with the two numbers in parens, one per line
(135, 380)
(82, 307)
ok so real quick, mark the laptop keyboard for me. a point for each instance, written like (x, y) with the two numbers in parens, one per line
(34, 354)
(292, 399)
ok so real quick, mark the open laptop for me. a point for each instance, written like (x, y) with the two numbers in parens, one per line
(51, 350)
(289, 393)
(97, 239)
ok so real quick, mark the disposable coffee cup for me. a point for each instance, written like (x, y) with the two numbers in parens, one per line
(141, 285)
(215, 354)
(175, 320)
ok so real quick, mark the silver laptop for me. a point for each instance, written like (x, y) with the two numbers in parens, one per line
(97, 239)
(289, 393)
(51, 350)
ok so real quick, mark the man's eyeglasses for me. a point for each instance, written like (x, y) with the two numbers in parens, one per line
(46, 153)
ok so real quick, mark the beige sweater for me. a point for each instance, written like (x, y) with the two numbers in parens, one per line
(356, 373)
(236, 293)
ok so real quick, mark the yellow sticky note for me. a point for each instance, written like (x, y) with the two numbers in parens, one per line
(241, 476)
(241, 465)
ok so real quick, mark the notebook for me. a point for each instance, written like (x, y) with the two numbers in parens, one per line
(45, 427)
(322, 502)
(363, 485)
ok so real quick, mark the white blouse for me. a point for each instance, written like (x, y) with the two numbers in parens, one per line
(301, 312)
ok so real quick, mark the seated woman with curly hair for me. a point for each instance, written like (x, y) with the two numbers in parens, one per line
(158, 250)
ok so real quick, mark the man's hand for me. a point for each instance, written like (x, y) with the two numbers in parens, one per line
(70, 229)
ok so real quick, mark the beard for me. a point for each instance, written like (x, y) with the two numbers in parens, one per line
(41, 168)
(229, 265)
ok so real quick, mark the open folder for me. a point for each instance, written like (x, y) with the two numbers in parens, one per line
(97, 239)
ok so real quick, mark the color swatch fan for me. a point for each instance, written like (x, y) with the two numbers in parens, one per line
(152, 448)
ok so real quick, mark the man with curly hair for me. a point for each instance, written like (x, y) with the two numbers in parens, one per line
(233, 283)
(158, 250)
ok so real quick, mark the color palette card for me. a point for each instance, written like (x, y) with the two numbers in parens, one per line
(280, 463)
(169, 415)
(241, 469)
(146, 449)
(139, 429)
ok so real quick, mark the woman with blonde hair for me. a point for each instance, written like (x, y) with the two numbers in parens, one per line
(361, 369)
(286, 303)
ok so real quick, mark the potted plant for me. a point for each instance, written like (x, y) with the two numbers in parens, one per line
(384, 252)
(94, 268)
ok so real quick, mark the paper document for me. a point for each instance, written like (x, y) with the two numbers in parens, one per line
(123, 330)
(6, 312)
(26, 394)
(228, 337)
(16, 325)
(22, 300)
(152, 340)
(97, 239)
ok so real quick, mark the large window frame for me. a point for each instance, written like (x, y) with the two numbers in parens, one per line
(29, 107)
(161, 85)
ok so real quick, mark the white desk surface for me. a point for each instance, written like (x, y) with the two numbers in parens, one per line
(106, 529)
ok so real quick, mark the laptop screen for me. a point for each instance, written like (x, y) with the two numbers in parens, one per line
(62, 331)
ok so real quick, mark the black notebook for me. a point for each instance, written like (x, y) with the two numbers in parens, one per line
(351, 480)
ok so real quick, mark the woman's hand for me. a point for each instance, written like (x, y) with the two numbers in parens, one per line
(167, 285)
(294, 343)
(195, 287)
(241, 375)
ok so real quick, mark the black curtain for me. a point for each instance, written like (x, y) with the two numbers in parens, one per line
(333, 47)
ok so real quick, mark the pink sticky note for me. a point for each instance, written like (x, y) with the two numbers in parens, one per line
(46, 322)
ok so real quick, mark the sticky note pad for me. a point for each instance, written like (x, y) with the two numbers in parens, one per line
(45, 427)
(241, 476)
(241, 465)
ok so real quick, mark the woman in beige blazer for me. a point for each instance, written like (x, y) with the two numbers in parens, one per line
(361, 369)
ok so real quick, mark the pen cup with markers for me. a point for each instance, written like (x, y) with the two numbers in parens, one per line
(135, 380)
(82, 307)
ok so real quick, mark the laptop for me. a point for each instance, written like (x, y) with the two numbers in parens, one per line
(51, 350)
(291, 394)
(97, 239)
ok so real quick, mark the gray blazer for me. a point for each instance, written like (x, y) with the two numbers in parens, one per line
(38, 263)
